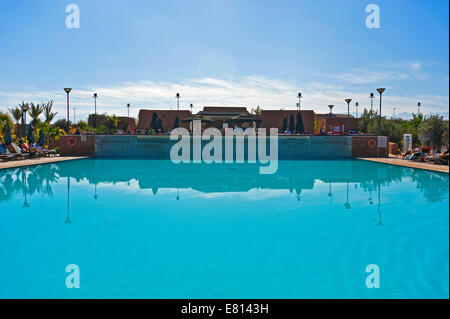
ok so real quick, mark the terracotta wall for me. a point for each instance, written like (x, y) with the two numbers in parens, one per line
(274, 118)
(167, 117)
(127, 123)
(366, 146)
(327, 123)
(393, 148)
(158, 147)
(79, 148)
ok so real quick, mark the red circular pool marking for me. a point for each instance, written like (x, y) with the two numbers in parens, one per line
(72, 141)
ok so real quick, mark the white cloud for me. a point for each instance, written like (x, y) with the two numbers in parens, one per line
(416, 66)
(364, 76)
(390, 71)
(248, 91)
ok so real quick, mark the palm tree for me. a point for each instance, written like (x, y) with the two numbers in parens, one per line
(257, 111)
(16, 113)
(113, 121)
(49, 115)
(35, 111)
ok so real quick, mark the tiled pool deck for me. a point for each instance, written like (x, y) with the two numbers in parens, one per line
(405, 163)
(38, 161)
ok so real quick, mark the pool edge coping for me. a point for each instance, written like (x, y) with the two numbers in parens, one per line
(405, 164)
(35, 162)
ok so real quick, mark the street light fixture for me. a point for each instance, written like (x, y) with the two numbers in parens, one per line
(348, 112)
(25, 108)
(191, 106)
(348, 106)
(418, 108)
(95, 110)
(393, 113)
(331, 109)
(372, 96)
(68, 115)
(128, 107)
(356, 104)
(299, 104)
(380, 90)
(177, 96)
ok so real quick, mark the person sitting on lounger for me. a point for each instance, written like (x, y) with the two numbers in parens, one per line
(25, 147)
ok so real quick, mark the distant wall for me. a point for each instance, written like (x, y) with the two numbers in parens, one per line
(127, 123)
(314, 147)
(327, 124)
(82, 147)
(274, 118)
(393, 148)
(366, 146)
(167, 116)
(132, 146)
(289, 147)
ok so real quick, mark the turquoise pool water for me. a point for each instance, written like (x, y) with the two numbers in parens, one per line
(153, 229)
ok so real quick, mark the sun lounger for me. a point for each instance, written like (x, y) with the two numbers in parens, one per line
(45, 152)
(406, 154)
(416, 156)
(443, 159)
(14, 149)
(36, 151)
(5, 154)
(433, 158)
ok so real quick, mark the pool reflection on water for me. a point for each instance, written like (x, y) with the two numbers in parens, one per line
(223, 231)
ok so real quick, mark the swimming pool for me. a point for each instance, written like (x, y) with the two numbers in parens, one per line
(153, 229)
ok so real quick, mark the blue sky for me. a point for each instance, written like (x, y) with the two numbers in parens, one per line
(219, 52)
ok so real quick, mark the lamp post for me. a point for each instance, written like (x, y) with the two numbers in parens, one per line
(380, 221)
(348, 107)
(68, 115)
(418, 108)
(372, 96)
(356, 104)
(177, 96)
(191, 106)
(26, 189)
(331, 109)
(128, 107)
(347, 203)
(95, 110)
(380, 90)
(68, 220)
(299, 104)
(25, 109)
(393, 113)
(348, 112)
